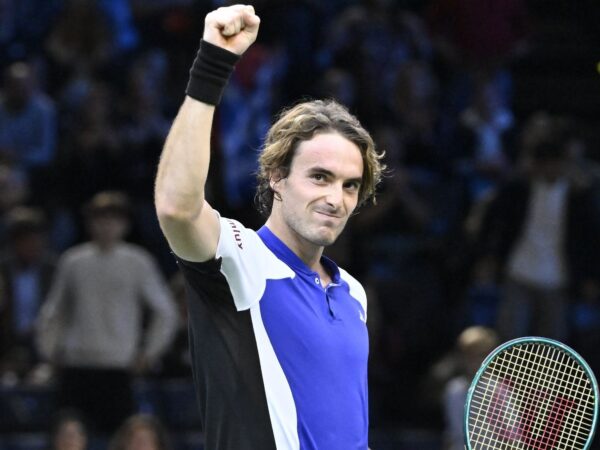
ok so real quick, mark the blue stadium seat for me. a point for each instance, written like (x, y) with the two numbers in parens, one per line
(148, 397)
(25, 441)
(26, 409)
(180, 406)
(188, 441)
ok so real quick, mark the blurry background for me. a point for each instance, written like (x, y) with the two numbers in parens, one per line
(487, 110)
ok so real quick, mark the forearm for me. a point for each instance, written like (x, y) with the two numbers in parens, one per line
(185, 218)
(183, 167)
(184, 164)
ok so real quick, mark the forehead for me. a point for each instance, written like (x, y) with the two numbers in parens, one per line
(329, 151)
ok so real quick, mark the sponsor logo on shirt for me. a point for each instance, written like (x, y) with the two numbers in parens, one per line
(237, 234)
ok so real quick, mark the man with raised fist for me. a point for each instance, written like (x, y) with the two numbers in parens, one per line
(277, 330)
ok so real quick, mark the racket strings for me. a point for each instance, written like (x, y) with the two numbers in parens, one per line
(517, 424)
(525, 419)
(541, 403)
(532, 397)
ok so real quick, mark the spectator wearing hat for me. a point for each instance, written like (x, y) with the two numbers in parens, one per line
(91, 327)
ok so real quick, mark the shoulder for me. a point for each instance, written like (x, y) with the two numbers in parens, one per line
(237, 241)
(135, 253)
(77, 253)
(43, 103)
(457, 386)
(355, 287)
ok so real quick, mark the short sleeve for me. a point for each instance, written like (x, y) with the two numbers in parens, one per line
(247, 263)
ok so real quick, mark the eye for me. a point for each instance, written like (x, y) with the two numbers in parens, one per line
(352, 185)
(318, 177)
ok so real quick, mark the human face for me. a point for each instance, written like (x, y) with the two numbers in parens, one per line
(107, 229)
(70, 436)
(320, 191)
(143, 438)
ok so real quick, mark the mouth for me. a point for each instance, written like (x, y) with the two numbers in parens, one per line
(329, 215)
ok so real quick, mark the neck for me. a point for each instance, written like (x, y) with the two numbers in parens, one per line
(106, 246)
(308, 252)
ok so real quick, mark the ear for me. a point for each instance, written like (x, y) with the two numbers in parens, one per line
(274, 184)
(274, 180)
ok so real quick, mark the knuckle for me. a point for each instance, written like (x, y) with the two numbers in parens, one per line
(211, 17)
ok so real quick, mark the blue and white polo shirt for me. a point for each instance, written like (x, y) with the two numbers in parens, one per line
(279, 362)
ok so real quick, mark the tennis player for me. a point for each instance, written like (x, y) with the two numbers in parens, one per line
(278, 335)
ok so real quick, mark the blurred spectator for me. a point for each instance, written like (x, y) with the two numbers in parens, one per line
(14, 191)
(27, 120)
(424, 135)
(485, 140)
(26, 271)
(91, 326)
(23, 25)
(585, 317)
(79, 43)
(144, 121)
(541, 232)
(338, 84)
(483, 294)
(68, 432)
(472, 346)
(142, 130)
(91, 159)
(478, 33)
(393, 243)
(472, 36)
(163, 22)
(382, 38)
(177, 361)
(122, 30)
(414, 105)
(583, 164)
(244, 117)
(141, 432)
(102, 79)
(391, 230)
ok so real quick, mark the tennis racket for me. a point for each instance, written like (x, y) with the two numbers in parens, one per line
(531, 393)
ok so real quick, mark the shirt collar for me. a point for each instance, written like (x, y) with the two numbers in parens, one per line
(284, 253)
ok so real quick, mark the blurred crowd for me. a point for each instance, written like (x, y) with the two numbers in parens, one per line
(488, 217)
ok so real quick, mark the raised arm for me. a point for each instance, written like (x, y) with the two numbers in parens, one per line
(187, 220)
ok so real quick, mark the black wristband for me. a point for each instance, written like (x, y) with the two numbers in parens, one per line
(210, 72)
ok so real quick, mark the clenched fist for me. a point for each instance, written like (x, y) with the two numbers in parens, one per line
(233, 28)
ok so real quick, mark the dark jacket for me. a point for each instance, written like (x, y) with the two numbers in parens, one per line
(504, 220)
(8, 338)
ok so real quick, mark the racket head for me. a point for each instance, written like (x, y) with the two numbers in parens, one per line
(531, 409)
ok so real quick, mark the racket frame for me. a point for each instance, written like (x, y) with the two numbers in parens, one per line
(531, 340)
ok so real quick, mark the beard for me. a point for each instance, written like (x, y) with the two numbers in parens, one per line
(312, 230)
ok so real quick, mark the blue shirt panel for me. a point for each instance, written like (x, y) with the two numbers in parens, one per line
(321, 341)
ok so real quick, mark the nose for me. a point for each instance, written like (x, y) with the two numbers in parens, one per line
(335, 195)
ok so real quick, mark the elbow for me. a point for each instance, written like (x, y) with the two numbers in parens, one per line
(172, 215)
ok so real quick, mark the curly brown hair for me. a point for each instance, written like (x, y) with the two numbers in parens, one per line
(301, 123)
